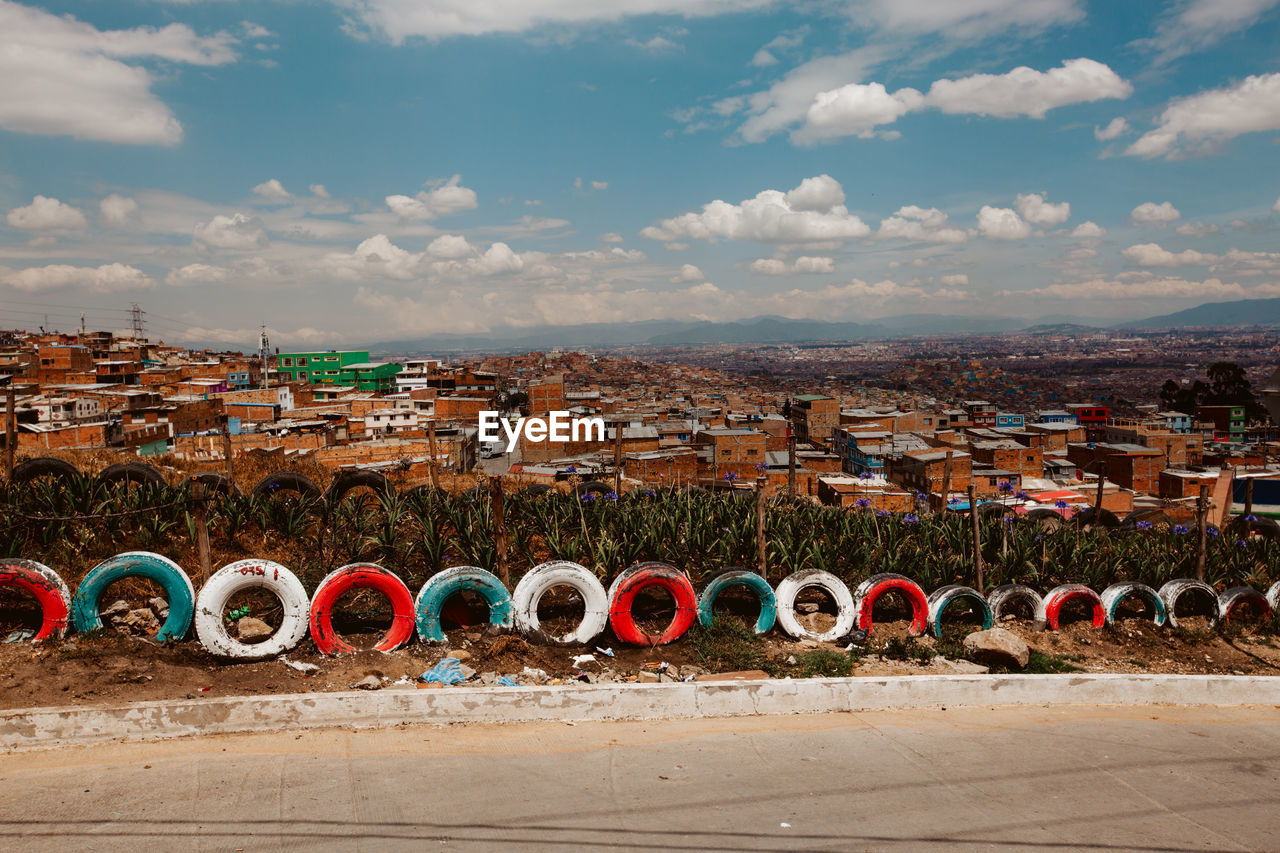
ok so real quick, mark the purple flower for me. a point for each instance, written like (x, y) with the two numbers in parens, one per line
(884, 513)
(862, 503)
(911, 518)
(1250, 517)
(1006, 486)
(952, 500)
(730, 477)
(864, 475)
(588, 497)
(1180, 529)
(612, 496)
(1143, 525)
(571, 470)
(1211, 531)
(1060, 504)
(1023, 496)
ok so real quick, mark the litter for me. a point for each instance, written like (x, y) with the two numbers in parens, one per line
(579, 660)
(608, 651)
(447, 671)
(304, 668)
(20, 636)
(507, 681)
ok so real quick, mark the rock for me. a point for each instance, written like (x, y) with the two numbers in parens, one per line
(536, 676)
(960, 667)
(117, 608)
(690, 669)
(791, 660)
(159, 607)
(251, 630)
(673, 671)
(300, 666)
(808, 644)
(458, 654)
(998, 647)
(141, 621)
(472, 636)
(646, 676)
(807, 607)
(369, 682)
(667, 678)
(467, 672)
(488, 678)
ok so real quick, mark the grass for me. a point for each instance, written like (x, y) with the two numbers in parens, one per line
(729, 645)
(825, 663)
(907, 650)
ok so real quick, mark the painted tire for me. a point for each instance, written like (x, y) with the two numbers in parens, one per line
(739, 577)
(362, 576)
(541, 578)
(1050, 611)
(429, 604)
(944, 596)
(1118, 592)
(790, 586)
(1273, 597)
(211, 629)
(629, 585)
(630, 570)
(1003, 597)
(49, 589)
(178, 590)
(1172, 590)
(870, 590)
(1232, 600)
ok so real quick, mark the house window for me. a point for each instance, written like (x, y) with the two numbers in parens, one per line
(302, 362)
(288, 362)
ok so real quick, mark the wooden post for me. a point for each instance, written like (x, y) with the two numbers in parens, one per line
(1202, 511)
(946, 482)
(791, 463)
(977, 536)
(1248, 497)
(226, 449)
(11, 429)
(431, 444)
(201, 517)
(499, 528)
(1097, 506)
(617, 458)
(762, 565)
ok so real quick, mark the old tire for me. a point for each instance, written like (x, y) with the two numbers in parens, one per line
(630, 583)
(49, 590)
(44, 466)
(287, 481)
(534, 490)
(739, 577)
(870, 590)
(944, 596)
(1118, 592)
(1173, 590)
(429, 604)
(363, 576)
(790, 586)
(216, 484)
(1050, 612)
(1273, 597)
(593, 487)
(1232, 601)
(1006, 596)
(543, 577)
(211, 628)
(134, 473)
(354, 479)
(178, 591)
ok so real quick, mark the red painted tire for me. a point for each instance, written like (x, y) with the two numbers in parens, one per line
(365, 576)
(652, 574)
(47, 587)
(864, 598)
(1050, 610)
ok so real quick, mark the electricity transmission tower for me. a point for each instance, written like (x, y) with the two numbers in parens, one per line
(135, 320)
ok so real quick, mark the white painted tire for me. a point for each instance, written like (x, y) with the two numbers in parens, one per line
(1118, 592)
(1230, 600)
(541, 578)
(790, 587)
(1006, 595)
(252, 574)
(1172, 590)
(1273, 597)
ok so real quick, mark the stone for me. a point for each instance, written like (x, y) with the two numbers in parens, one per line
(690, 669)
(159, 607)
(960, 667)
(536, 676)
(673, 671)
(998, 647)
(467, 672)
(117, 608)
(141, 621)
(369, 682)
(807, 607)
(791, 660)
(458, 654)
(667, 678)
(648, 676)
(251, 630)
(488, 678)
(472, 636)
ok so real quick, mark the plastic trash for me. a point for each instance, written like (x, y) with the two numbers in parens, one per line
(579, 660)
(20, 636)
(300, 666)
(507, 681)
(448, 671)
(608, 651)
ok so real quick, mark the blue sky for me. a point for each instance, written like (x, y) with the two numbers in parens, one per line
(352, 170)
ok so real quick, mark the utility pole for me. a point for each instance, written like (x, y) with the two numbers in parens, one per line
(431, 447)
(946, 482)
(791, 462)
(1202, 511)
(11, 428)
(1097, 506)
(264, 353)
(977, 537)
(762, 564)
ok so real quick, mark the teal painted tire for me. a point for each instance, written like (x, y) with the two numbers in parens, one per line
(178, 590)
(739, 577)
(436, 591)
(944, 596)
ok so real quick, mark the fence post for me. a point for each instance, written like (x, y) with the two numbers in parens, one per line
(1248, 497)
(10, 429)
(431, 441)
(1202, 511)
(946, 482)
(977, 536)
(1102, 479)
(791, 463)
(762, 565)
(226, 449)
(499, 528)
(202, 527)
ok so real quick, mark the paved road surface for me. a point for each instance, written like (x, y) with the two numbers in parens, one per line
(1072, 779)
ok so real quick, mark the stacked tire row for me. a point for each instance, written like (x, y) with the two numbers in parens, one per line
(613, 608)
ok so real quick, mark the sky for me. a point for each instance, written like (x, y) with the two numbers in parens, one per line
(347, 171)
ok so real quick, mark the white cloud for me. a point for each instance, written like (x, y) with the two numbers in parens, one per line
(397, 20)
(47, 214)
(1144, 289)
(599, 185)
(108, 278)
(611, 237)
(376, 257)
(443, 200)
(788, 100)
(687, 273)
(272, 190)
(1037, 211)
(319, 191)
(64, 77)
(920, 224)
(954, 280)
(1088, 229)
(657, 44)
(1200, 124)
(1117, 127)
(1001, 223)
(1197, 229)
(763, 58)
(1276, 207)
(497, 259)
(116, 210)
(1197, 24)
(1150, 213)
(856, 109)
(1027, 92)
(802, 264)
(809, 213)
(450, 246)
(238, 232)
(1153, 255)
(963, 20)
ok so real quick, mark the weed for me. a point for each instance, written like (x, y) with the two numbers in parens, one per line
(825, 663)
(907, 650)
(729, 645)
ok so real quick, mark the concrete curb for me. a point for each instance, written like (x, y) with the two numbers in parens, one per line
(34, 728)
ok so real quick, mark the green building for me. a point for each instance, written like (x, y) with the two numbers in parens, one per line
(333, 367)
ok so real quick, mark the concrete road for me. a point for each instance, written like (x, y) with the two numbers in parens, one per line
(1047, 779)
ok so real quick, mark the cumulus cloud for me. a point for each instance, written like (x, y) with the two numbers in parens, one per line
(272, 190)
(1027, 92)
(611, 237)
(1276, 207)
(1088, 230)
(812, 212)
(1202, 123)
(1153, 255)
(443, 200)
(1150, 213)
(237, 232)
(46, 214)
(1197, 229)
(319, 191)
(1033, 208)
(116, 210)
(920, 224)
(64, 77)
(687, 273)
(375, 257)
(802, 264)
(108, 278)
(1116, 127)
(954, 280)
(856, 110)
(1002, 223)
(449, 246)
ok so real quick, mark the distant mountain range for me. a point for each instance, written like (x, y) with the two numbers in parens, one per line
(775, 330)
